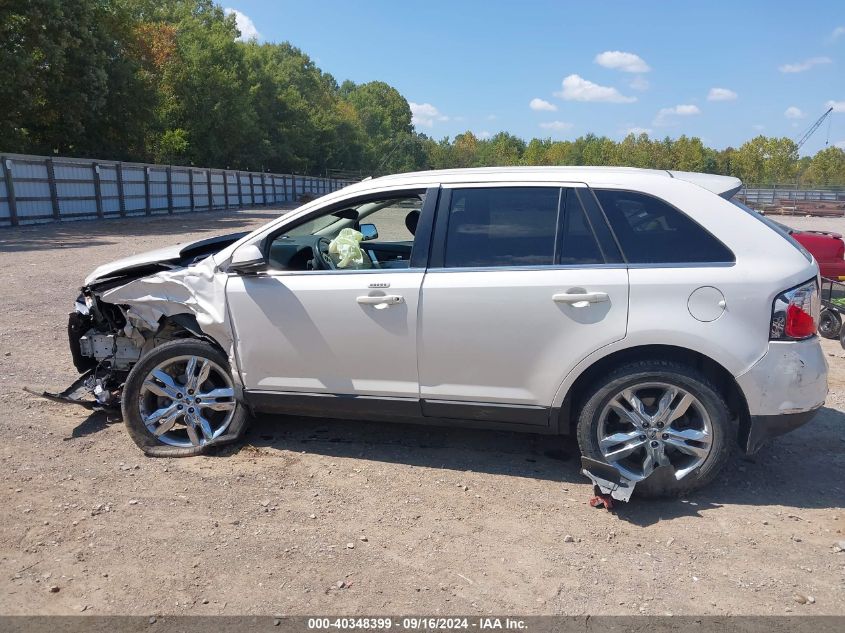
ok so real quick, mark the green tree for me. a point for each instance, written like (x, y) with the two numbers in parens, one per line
(67, 84)
(827, 167)
(386, 119)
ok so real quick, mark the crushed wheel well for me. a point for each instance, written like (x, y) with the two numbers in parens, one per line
(720, 377)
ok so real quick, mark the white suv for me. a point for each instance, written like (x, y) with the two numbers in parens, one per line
(641, 310)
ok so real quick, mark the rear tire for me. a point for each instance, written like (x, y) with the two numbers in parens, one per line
(830, 324)
(692, 431)
(179, 400)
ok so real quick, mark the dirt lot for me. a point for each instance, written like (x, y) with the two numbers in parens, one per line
(313, 516)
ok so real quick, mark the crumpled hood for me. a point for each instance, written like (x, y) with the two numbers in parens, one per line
(168, 254)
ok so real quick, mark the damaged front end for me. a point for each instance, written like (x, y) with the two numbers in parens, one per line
(131, 306)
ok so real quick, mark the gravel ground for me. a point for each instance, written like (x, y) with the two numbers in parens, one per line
(311, 516)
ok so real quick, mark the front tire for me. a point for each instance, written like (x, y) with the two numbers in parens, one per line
(648, 414)
(179, 400)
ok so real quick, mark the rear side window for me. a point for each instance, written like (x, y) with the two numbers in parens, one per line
(651, 231)
(502, 226)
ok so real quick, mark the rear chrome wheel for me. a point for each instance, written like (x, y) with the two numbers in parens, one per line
(654, 424)
(662, 424)
(187, 401)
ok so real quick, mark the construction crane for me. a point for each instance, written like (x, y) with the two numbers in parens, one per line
(815, 126)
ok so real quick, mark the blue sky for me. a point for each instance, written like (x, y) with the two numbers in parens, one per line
(723, 71)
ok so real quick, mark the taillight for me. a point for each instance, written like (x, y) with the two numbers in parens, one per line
(795, 313)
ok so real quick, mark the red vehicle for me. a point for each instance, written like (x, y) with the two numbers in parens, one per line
(827, 247)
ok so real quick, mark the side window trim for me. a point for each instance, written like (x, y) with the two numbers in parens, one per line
(559, 223)
(608, 244)
(441, 226)
(421, 251)
(570, 203)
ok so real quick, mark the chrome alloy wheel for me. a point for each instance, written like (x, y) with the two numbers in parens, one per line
(187, 401)
(654, 424)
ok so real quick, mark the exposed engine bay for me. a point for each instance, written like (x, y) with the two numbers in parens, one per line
(108, 335)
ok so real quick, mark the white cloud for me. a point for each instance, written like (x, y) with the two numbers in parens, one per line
(721, 94)
(793, 113)
(484, 135)
(576, 88)
(626, 62)
(636, 131)
(665, 116)
(639, 83)
(425, 114)
(759, 127)
(491, 117)
(542, 105)
(245, 25)
(838, 106)
(557, 126)
(800, 67)
(837, 32)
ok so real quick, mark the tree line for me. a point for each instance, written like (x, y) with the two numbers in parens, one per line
(168, 81)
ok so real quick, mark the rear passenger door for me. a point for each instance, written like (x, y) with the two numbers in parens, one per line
(523, 283)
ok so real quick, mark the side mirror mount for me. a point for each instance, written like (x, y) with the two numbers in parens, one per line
(369, 231)
(248, 259)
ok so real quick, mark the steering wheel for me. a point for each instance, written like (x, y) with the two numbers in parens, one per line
(321, 254)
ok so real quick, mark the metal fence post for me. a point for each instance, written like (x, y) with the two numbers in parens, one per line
(240, 190)
(251, 190)
(10, 191)
(226, 188)
(191, 187)
(263, 190)
(98, 195)
(147, 209)
(210, 193)
(121, 200)
(168, 171)
(54, 195)
(293, 187)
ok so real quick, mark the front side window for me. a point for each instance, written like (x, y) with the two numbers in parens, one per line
(651, 231)
(501, 226)
(371, 234)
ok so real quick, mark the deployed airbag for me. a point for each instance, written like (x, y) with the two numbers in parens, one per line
(346, 247)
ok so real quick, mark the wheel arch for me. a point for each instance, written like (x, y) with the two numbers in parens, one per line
(187, 323)
(715, 371)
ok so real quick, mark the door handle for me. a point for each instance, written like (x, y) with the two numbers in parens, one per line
(390, 300)
(580, 299)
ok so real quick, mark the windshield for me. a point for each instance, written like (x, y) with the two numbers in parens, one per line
(781, 229)
(317, 225)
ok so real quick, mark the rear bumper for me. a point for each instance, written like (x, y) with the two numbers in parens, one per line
(765, 427)
(791, 377)
(783, 389)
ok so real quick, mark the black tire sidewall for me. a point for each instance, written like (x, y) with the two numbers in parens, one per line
(671, 373)
(139, 433)
(836, 319)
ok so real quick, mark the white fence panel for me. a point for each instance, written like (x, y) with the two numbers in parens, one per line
(46, 189)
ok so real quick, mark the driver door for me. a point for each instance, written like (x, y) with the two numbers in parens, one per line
(337, 332)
